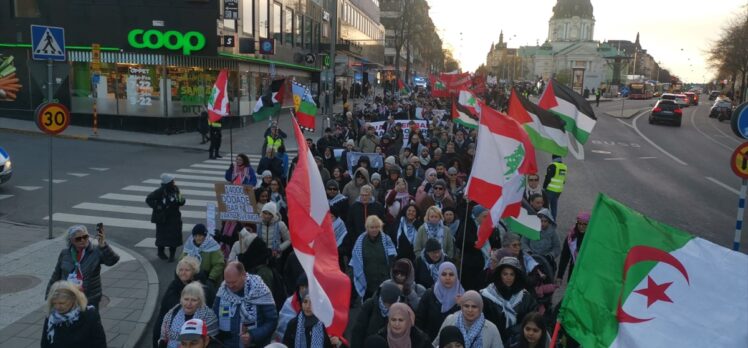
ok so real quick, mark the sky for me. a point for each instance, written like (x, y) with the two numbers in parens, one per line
(675, 33)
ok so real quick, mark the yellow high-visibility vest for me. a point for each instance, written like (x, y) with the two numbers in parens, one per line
(558, 179)
(274, 143)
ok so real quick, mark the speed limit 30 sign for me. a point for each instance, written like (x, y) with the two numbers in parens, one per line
(52, 118)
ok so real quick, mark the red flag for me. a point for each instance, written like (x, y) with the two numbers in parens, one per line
(218, 105)
(438, 87)
(314, 242)
(479, 84)
(456, 81)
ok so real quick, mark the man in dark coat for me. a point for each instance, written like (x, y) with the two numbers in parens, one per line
(271, 162)
(165, 202)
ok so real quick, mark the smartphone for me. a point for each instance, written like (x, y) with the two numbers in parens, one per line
(99, 227)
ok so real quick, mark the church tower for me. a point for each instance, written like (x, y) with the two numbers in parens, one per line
(572, 21)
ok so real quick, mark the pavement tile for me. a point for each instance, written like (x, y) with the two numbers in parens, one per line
(128, 283)
(20, 342)
(108, 324)
(115, 313)
(33, 331)
(113, 292)
(12, 329)
(118, 341)
(125, 326)
(129, 266)
(138, 293)
(135, 315)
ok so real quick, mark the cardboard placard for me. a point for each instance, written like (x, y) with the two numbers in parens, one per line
(236, 203)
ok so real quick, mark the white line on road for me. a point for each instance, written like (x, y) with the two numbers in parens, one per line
(693, 123)
(134, 210)
(183, 183)
(728, 136)
(141, 198)
(198, 177)
(614, 159)
(723, 185)
(56, 181)
(209, 166)
(201, 193)
(602, 152)
(636, 129)
(225, 162)
(5, 196)
(29, 188)
(80, 175)
(99, 169)
(648, 157)
(116, 222)
(199, 171)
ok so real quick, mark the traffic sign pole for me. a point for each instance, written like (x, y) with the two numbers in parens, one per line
(50, 95)
(739, 221)
(739, 166)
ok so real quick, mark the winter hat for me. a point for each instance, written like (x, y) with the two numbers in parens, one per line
(193, 329)
(433, 245)
(450, 334)
(376, 177)
(267, 173)
(389, 292)
(332, 183)
(452, 171)
(390, 160)
(200, 229)
(509, 261)
(350, 142)
(270, 208)
(583, 216)
(166, 178)
(472, 296)
(547, 214)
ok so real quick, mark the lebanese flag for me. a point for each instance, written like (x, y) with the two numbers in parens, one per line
(546, 129)
(576, 111)
(218, 105)
(313, 241)
(640, 283)
(503, 156)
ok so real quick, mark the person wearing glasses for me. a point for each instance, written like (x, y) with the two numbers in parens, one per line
(80, 262)
(533, 188)
(572, 245)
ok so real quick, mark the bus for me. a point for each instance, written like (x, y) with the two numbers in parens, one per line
(641, 90)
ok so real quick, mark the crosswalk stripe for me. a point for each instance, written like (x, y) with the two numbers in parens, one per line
(183, 183)
(99, 169)
(134, 210)
(141, 198)
(108, 221)
(5, 196)
(198, 177)
(200, 171)
(222, 162)
(201, 193)
(29, 188)
(56, 181)
(209, 166)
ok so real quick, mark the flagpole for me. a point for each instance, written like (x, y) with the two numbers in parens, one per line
(464, 236)
(554, 338)
(231, 139)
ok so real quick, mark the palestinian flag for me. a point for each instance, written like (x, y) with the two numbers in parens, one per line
(479, 84)
(640, 283)
(304, 106)
(546, 129)
(438, 88)
(524, 224)
(465, 109)
(270, 103)
(571, 107)
(402, 88)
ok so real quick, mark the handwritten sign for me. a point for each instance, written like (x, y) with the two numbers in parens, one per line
(376, 160)
(422, 125)
(236, 202)
(210, 215)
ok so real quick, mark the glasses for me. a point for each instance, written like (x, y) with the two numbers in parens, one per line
(80, 238)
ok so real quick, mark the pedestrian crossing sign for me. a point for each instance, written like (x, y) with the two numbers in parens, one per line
(47, 43)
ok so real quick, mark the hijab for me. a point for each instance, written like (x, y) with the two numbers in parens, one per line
(402, 340)
(448, 296)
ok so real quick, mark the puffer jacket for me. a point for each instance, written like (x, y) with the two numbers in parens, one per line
(351, 190)
(90, 267)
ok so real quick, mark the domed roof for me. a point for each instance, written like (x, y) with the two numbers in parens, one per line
(571, 8)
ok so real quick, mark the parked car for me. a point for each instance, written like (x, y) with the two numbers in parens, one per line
(693, 98)
(680, 99)
(666, 111)
(6, 167)
(713, 95)
(721, 109)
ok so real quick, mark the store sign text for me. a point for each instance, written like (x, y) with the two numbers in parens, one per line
(188, 42)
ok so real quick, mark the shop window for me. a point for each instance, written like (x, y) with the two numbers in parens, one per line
(263, 23)
(277, 23)
(298, 30)
(248, 19)
(190, 89)
(288, 30)
(26, 8)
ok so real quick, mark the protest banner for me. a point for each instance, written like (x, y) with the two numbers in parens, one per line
(236, 203)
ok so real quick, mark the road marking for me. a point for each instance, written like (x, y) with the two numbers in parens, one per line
(183, 183)
(201, 193)
(134, 210)
(602, 152)
(646, 158)
(693, 123)
(80, 175)
(108, 221)
(141, 199)
(614, 159)
(5, 196)
(198, 177)
(29, 188)
(625, 124)
(636, 129)
(209, 166)
(199, 171)
(728, 136)
(99, 169)
(723, 185)
(56, 181)
(149, 242)
(223, 161)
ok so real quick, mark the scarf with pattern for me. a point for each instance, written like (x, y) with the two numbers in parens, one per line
(209, 245)
(472, 335)
(318, 333)
(406, 228)
(255, 293)
(56, 319)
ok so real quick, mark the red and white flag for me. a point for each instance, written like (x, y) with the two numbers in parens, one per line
(503, 156)
(218, 105)
(313, 241)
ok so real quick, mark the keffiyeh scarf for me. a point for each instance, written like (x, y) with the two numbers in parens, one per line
(406, 228)
(357, 260)
(173, 323)
(56, 319)
(209, 245)
(435, 231)
(255, 293)
(473, 335)
(507, 306)
(318, 333)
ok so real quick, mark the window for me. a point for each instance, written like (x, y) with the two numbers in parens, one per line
(298, 30)
(277, 23)
(26, 8)
(307, 33)
(315, 37)
(289, 26)
(263, 23)
(248, 18)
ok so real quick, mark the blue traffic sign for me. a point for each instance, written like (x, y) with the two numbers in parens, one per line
(47, 43)
(739, 121)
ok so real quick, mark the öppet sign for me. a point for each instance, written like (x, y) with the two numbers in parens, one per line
(52, 118)
(739, 161)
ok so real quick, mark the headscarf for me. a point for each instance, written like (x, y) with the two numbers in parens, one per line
(448, 296)
(426, 177)
(405, 266)
(402, 340)
(472, 335)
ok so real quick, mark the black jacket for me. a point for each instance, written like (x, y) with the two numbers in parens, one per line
(368, 323)
(289, 337)
(90, 267)
(274, 165)
(165, 202)
(86, 332)
(171, 298)
(418, 339)
(429, 316)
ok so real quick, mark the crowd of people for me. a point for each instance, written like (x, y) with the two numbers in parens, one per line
(405, 233)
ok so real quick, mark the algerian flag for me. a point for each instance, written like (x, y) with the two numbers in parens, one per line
(640, 283)
(546, 129)
(576, 111)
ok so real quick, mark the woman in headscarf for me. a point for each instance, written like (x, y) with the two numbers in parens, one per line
(396, 200)
(400, 331)
(477, 331)
(405, 235)
(433, 227)
(412, 179)
(240, 172)
(402, 274)
(71, 322)
(572, 245)
(439, 301)
(508, 299)
(191, 306)
(204, 248)
(306, 331)
(427, 186)
(373, 314)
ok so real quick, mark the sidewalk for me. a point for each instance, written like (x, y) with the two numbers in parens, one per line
(28, 258)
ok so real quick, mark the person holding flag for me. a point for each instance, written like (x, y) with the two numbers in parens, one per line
(218, 107)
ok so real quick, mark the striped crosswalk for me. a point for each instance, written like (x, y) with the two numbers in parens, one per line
(126, 209)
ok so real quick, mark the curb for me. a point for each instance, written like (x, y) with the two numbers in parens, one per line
(150, 301)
